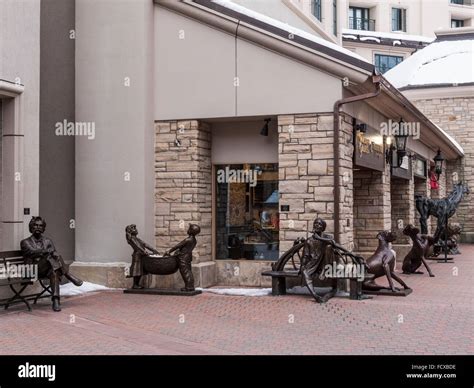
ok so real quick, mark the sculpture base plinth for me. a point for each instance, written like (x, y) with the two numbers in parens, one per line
(161, 291)
(388, 292)
(442, 259)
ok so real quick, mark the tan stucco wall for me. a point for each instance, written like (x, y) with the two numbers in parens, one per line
(195, 76)
(20, 62)
(241, 142)
(114, 41)
(369, 51)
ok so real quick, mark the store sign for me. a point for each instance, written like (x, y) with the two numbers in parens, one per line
(368, 153)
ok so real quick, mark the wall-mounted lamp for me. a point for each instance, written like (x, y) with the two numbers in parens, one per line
(358, 127)
(397, 152)
(264, 130)
(438, 159)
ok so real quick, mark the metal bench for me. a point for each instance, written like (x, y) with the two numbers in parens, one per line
(18, 285)
(279, 280)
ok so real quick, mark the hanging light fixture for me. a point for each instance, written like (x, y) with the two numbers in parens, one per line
(401, 143)
(264, 130)
(438, 159)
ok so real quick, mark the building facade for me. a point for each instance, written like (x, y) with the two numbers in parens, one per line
(440, 82)
(218, 115)
(385, 33)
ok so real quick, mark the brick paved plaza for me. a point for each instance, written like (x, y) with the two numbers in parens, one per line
(438, 318)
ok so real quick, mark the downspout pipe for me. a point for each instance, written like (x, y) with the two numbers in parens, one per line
(376, 79)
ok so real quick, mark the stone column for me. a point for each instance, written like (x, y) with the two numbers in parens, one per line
(371, 208)
(306, 170)
(305, 173)
(422, 187)
(183, 194)
(403, 206)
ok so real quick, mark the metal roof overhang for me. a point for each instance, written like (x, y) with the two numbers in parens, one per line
(324, 58)
(390, 102)
(393, 104)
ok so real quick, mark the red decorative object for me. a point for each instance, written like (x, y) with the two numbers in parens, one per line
(434, 181)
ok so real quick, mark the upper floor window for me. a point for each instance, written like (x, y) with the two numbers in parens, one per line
(359, 19)
(384, 63)
(455, 23)
(316, 9)
(457, 2)
(399, 19)
(334, 17)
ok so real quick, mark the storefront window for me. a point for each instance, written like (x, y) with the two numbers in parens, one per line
(247, 220)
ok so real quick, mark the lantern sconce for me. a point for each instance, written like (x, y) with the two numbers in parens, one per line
(396, 152)
(438, 159)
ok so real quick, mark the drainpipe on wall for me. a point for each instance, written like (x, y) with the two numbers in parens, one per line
(337, 189)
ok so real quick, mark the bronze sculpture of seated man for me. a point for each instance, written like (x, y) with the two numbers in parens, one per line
(40, 250)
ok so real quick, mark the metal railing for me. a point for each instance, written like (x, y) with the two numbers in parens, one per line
(362, 24)
(462, 2)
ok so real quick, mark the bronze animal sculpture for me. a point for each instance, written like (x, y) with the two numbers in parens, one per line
(454, 231)
(419, 251)
(40, 250)
(382, 263)
(442, 209)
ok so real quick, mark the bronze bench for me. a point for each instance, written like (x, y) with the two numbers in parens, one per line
(9, 258)
(279, 283)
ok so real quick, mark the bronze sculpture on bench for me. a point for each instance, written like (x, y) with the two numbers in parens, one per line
(320, 249)
(308, 258)
(419, 251)
(144, 263)
(40, 250)
(382, 263)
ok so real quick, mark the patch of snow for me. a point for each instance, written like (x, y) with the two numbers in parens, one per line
(445, 62)
(286, 27)
(369, 39)
(389, 35)
(353, 37)
(397, 43)
(259, 291)
(239, 291)
(70, 289)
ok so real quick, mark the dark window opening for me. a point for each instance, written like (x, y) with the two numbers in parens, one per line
(384, 63)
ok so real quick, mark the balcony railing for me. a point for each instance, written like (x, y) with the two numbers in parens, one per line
(362, 24)
(462, 2)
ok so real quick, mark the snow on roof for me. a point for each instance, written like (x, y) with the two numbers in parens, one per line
(388, 35)
(286, 27)
(442, 62)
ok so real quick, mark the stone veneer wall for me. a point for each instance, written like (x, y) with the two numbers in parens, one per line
(306, 168)
(372, 210)
(455, 115)
(402, 197)
(183, 193)
(421, 187)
